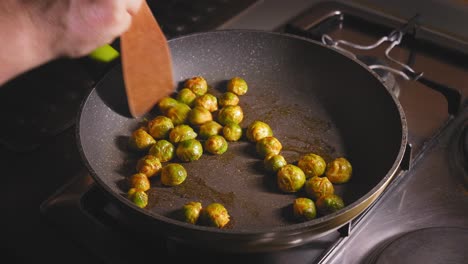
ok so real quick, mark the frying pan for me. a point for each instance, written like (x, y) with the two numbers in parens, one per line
(315, 98)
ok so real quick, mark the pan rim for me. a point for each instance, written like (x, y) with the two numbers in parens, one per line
(369, 197)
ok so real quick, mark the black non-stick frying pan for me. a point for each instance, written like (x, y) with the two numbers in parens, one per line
(314, 98)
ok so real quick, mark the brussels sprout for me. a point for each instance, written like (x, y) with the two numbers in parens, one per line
(210, 128)
(339, 170)
(191, 212)
(173, 174)
(268, 145)
(274, 162)
(230, 114)
(178, 113)
(228, 98)
(189, 150)
(165, 103)
(186, 96)
(232, 132)
(141, 140)
(208, 101)
(216, 145)
(149, 165)
(316, 187)
(258, 130)
(197, 84)
(163, 150)
(138, 197)
(199, 115)
(312, 165)
(180, 133)
(290, 178)
(160, 126)
(304, 209)
(139, 181)
(215, 214)
(237, 85)
(329, 203)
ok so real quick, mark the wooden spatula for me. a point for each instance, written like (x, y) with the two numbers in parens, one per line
(146, 63)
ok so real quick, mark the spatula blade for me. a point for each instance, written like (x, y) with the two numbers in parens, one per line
(146, 63)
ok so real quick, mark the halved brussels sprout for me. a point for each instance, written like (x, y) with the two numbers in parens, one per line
(141, 140)
(207, 101)
(149, 165)
(258, 130)
(186, 96)
(316, 187)
(139, 181)
(160, 126)
(199, 115)
(138, 197)
(274, 162)
(312, 165)
(228, 98)
(163, 150)
(290, 178)
(339, 170)
(230, 114)
(197, 84)
(215, 214)
(181, 132)
(304, 209)
(178, 113)
(189, 150)
(209, 128)
(232, 132)
(267, 146)
(191, 212)
(237, 85)
(329, 203)
(216, 145)
(173, 174)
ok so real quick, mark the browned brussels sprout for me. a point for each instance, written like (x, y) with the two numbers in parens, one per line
(207, 101)
(191, 212)
(267, 146)
(232, 132)
(312, 165)
(178, 113)
(149, 165)
(274, 162)
(139, 181)
(141, 140)
(258, 130)
(237, 85)
(210, 128)
(186, 96)
(189, 150)
(197, 84)
(215, 215)
(216, 145)
(181, 132)
(329, 203)
(173, 174)
(199, 115)
(339, 171)
(228, 98)
(316, 187)
(230, 114)
(138, 197)
(163, 150)
(165, 103)
(160, 126)
(304, 209)
(290, 178)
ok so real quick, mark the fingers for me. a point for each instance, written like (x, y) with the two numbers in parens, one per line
(133, 6)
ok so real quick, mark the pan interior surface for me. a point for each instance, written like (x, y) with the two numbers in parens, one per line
(315, 100)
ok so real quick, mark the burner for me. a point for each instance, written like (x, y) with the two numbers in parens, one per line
(387, 77)
(428, 245)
